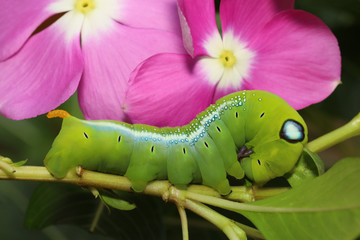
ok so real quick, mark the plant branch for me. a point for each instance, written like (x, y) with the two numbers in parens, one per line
(156, 188)
(184, 222)
(97, 216)
(349, 130)
(102, 180)
(231, 230)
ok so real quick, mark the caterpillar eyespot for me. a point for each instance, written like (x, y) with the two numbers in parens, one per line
(215, 144)
(292, 131)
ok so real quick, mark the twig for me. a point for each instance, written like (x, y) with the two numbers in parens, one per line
(349, 130)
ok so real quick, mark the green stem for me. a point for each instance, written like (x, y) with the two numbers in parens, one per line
(156, 188)
(7, 168)
(351, 129)
(261, 193)
(219, 202)
(184, 222)
(97, 216)
(102, 180)
(231, 230)
(238, 193)
(251, 232)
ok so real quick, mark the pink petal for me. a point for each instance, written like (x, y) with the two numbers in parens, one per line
(159, 14)
(41, 76)
(298, 58)
(110, 57)
(166, 90)
(18, 20)
(198, 23)
(247, 17)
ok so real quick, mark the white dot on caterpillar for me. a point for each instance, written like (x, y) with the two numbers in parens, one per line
(259, 99)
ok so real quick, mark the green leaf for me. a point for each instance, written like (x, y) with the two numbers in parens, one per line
(20, 163)
(308, 167)
(327, 207)
(54, 203)
(117, 203)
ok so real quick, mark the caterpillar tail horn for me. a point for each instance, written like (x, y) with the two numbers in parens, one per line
(58, 113)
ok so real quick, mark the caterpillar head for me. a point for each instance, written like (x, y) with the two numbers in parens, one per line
(276, 134)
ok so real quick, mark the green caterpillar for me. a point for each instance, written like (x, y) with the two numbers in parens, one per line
(252, 133)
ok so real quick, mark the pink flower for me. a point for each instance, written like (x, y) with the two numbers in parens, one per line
(92, 46)
(265, 44)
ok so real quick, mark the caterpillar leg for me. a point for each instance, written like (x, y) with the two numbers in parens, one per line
(211, 166)
(244, 152)
(147, 163)
(140, 176)
(181, 167)
(221, 135)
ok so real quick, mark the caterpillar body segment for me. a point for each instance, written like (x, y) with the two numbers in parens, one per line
(204, 151)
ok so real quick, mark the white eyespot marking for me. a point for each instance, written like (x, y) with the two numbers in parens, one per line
(292, 131)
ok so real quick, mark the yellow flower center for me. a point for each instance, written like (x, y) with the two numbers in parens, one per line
(227, 58)
(85, 6)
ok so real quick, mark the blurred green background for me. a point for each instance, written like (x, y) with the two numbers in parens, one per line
(30, 139)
